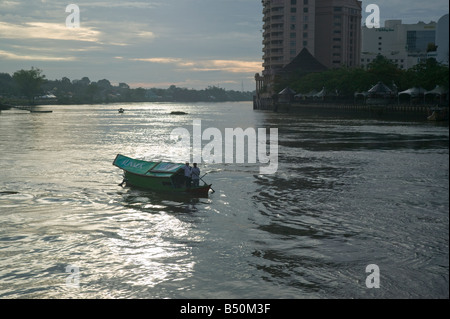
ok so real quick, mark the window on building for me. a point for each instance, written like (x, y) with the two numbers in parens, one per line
(305, 1)
(305, 10)
(293, 10)
(293, 2)
(418, 40)
(305, 43)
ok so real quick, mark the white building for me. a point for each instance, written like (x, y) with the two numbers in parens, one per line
(404, 44)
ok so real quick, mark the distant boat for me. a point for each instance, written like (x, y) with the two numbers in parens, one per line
(178, 113)
(157, 176)
(121, 110)
(41, 111)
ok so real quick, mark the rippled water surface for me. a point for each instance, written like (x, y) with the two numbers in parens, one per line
(347, 193)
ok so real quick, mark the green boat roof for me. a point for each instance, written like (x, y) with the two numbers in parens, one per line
(141, 167)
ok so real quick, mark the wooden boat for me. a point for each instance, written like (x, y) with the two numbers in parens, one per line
(157, 176)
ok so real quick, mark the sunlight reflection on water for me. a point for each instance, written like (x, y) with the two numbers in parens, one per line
(347, 193)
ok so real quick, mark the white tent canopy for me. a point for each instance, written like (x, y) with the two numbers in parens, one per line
(415, 91)
(438, 90)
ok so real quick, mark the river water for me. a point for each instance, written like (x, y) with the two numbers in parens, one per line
(348, 193)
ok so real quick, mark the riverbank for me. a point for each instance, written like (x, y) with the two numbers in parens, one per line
(393, 111)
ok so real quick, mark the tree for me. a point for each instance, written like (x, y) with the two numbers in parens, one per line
(384, 70)
(6, 84)
(29, 81)
(428, 74)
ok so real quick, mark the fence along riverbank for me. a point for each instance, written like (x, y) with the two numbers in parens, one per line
(394, 110)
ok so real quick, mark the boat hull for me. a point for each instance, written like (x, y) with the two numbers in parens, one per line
(163, 184)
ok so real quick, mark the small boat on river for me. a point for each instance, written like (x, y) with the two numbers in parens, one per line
(157, 176)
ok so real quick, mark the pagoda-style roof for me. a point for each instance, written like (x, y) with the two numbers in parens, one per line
(303, 63)
(287, 91)
(380, 88)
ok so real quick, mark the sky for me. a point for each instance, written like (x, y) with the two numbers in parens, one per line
(146, 43)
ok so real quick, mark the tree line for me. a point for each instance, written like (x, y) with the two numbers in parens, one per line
(31, 86)
(346, 81)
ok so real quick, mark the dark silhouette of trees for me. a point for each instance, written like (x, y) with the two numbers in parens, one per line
(347, 81)
(29, 82)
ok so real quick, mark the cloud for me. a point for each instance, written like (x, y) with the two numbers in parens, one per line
(47, 30)
(230, 66)
(9, 4)
(409, 11)
(122, 4)
(159, 60)
(14, 56)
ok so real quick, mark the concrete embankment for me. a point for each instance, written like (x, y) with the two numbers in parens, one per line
(356, 110)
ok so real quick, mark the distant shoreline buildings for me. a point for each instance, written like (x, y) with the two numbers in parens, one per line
(406, 44)
(331, 33)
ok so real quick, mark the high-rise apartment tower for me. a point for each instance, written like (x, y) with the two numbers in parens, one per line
(329, 29)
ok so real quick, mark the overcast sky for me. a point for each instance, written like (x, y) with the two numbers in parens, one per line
(154, 43)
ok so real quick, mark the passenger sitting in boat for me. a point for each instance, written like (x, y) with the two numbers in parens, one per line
(195, 175)
(187, 175)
